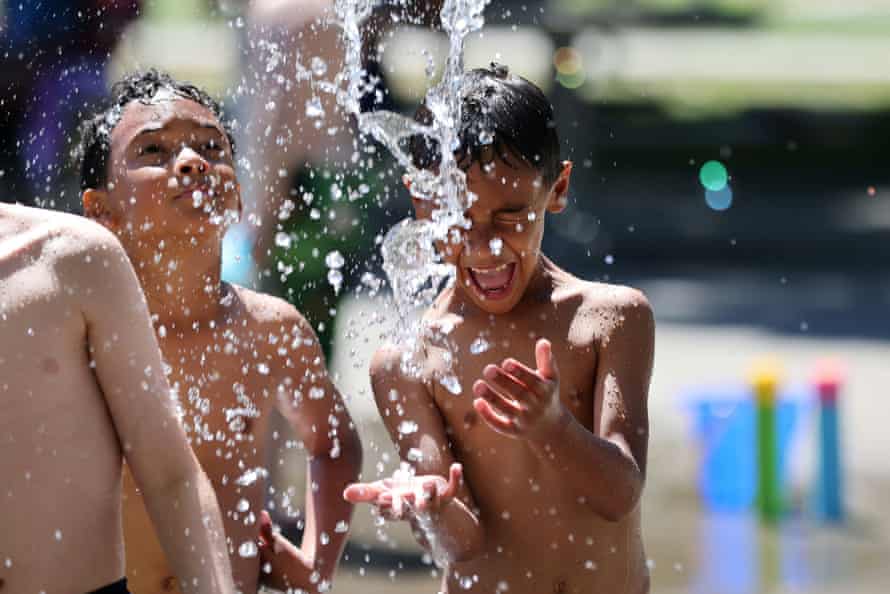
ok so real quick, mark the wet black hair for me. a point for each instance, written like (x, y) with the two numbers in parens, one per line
(503, 116)
(94, 148)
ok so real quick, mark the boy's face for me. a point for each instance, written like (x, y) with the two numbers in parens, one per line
(171, 172)
(499, 255)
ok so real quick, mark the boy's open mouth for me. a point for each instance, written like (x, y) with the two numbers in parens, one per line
(494, 282)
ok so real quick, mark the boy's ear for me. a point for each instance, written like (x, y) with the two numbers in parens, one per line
(559, 192)
(96, 207)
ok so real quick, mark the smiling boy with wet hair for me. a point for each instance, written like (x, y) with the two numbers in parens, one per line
(529, 479)
(158, 171)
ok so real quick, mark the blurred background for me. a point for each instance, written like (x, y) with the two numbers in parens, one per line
(729, 160)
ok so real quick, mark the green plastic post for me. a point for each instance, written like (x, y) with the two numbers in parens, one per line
(769, 497)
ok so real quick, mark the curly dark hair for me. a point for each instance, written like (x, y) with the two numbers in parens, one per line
(502, 116)
(94, 148)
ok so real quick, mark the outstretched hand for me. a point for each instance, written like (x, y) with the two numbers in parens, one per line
(395, 499)
(521, 402)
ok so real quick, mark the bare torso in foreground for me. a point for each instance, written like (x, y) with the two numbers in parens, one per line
(549, 523)
(60, 460)
(80, 385)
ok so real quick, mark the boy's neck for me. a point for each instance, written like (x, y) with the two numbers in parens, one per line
(180, 279)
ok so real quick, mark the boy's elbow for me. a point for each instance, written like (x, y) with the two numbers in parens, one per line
(623, 502)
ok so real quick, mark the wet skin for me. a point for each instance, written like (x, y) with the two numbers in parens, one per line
(235, 356)
(549, 429)
(83, 388)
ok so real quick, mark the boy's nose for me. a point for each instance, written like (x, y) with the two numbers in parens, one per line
(477, 238)
(189, 162)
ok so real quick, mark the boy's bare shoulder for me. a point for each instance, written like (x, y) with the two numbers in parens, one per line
(598, 309)
(267, 311)
(68, 234)
(83, 253)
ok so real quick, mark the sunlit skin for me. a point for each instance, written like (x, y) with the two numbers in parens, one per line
(530, 478)
(235, 355)
(82, 389)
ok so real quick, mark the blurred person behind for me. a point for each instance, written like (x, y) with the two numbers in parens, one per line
(56, 53)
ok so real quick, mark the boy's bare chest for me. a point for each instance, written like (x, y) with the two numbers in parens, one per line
(225, 382)
(455, 361)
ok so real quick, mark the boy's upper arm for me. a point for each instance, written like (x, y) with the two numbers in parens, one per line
(624, 369)
(126, 358)
(410, 414)
(307, 397)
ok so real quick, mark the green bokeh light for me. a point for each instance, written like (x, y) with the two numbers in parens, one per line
(713, 176)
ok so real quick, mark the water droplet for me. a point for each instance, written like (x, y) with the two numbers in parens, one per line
(532, 216)
(407, 427)
(30, 331)
(316, 393)
(334, 259)
(58, 535)
(335, 278)
(479, 346)
(609, 259)
(262, 369)
(248, 549)
(318, 66)
(341, 527)
(497, 245)
(323, 538)
(283, 240)
(251, 476)
(314, 108)
(243, 505)
(451, 383)
(414, 455)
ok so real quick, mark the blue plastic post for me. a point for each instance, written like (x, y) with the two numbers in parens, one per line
(829, 488)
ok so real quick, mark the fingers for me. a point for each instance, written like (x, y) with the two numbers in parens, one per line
(455, 476)
(267, 537)
(545, 361)
(426, 495)
(497, 421)
(527, 377)
(505, 406)
(363, 492)
(508, 385)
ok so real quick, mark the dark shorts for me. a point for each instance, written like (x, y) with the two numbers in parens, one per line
(119, 587)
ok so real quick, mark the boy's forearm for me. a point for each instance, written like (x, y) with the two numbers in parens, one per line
(326, 527)
(187, 518)
(452, 533)
(595, 469)
(328, 514)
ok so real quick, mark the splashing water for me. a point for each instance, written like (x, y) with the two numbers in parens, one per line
(415, 270)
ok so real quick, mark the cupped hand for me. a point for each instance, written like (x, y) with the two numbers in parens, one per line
(396, 499)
